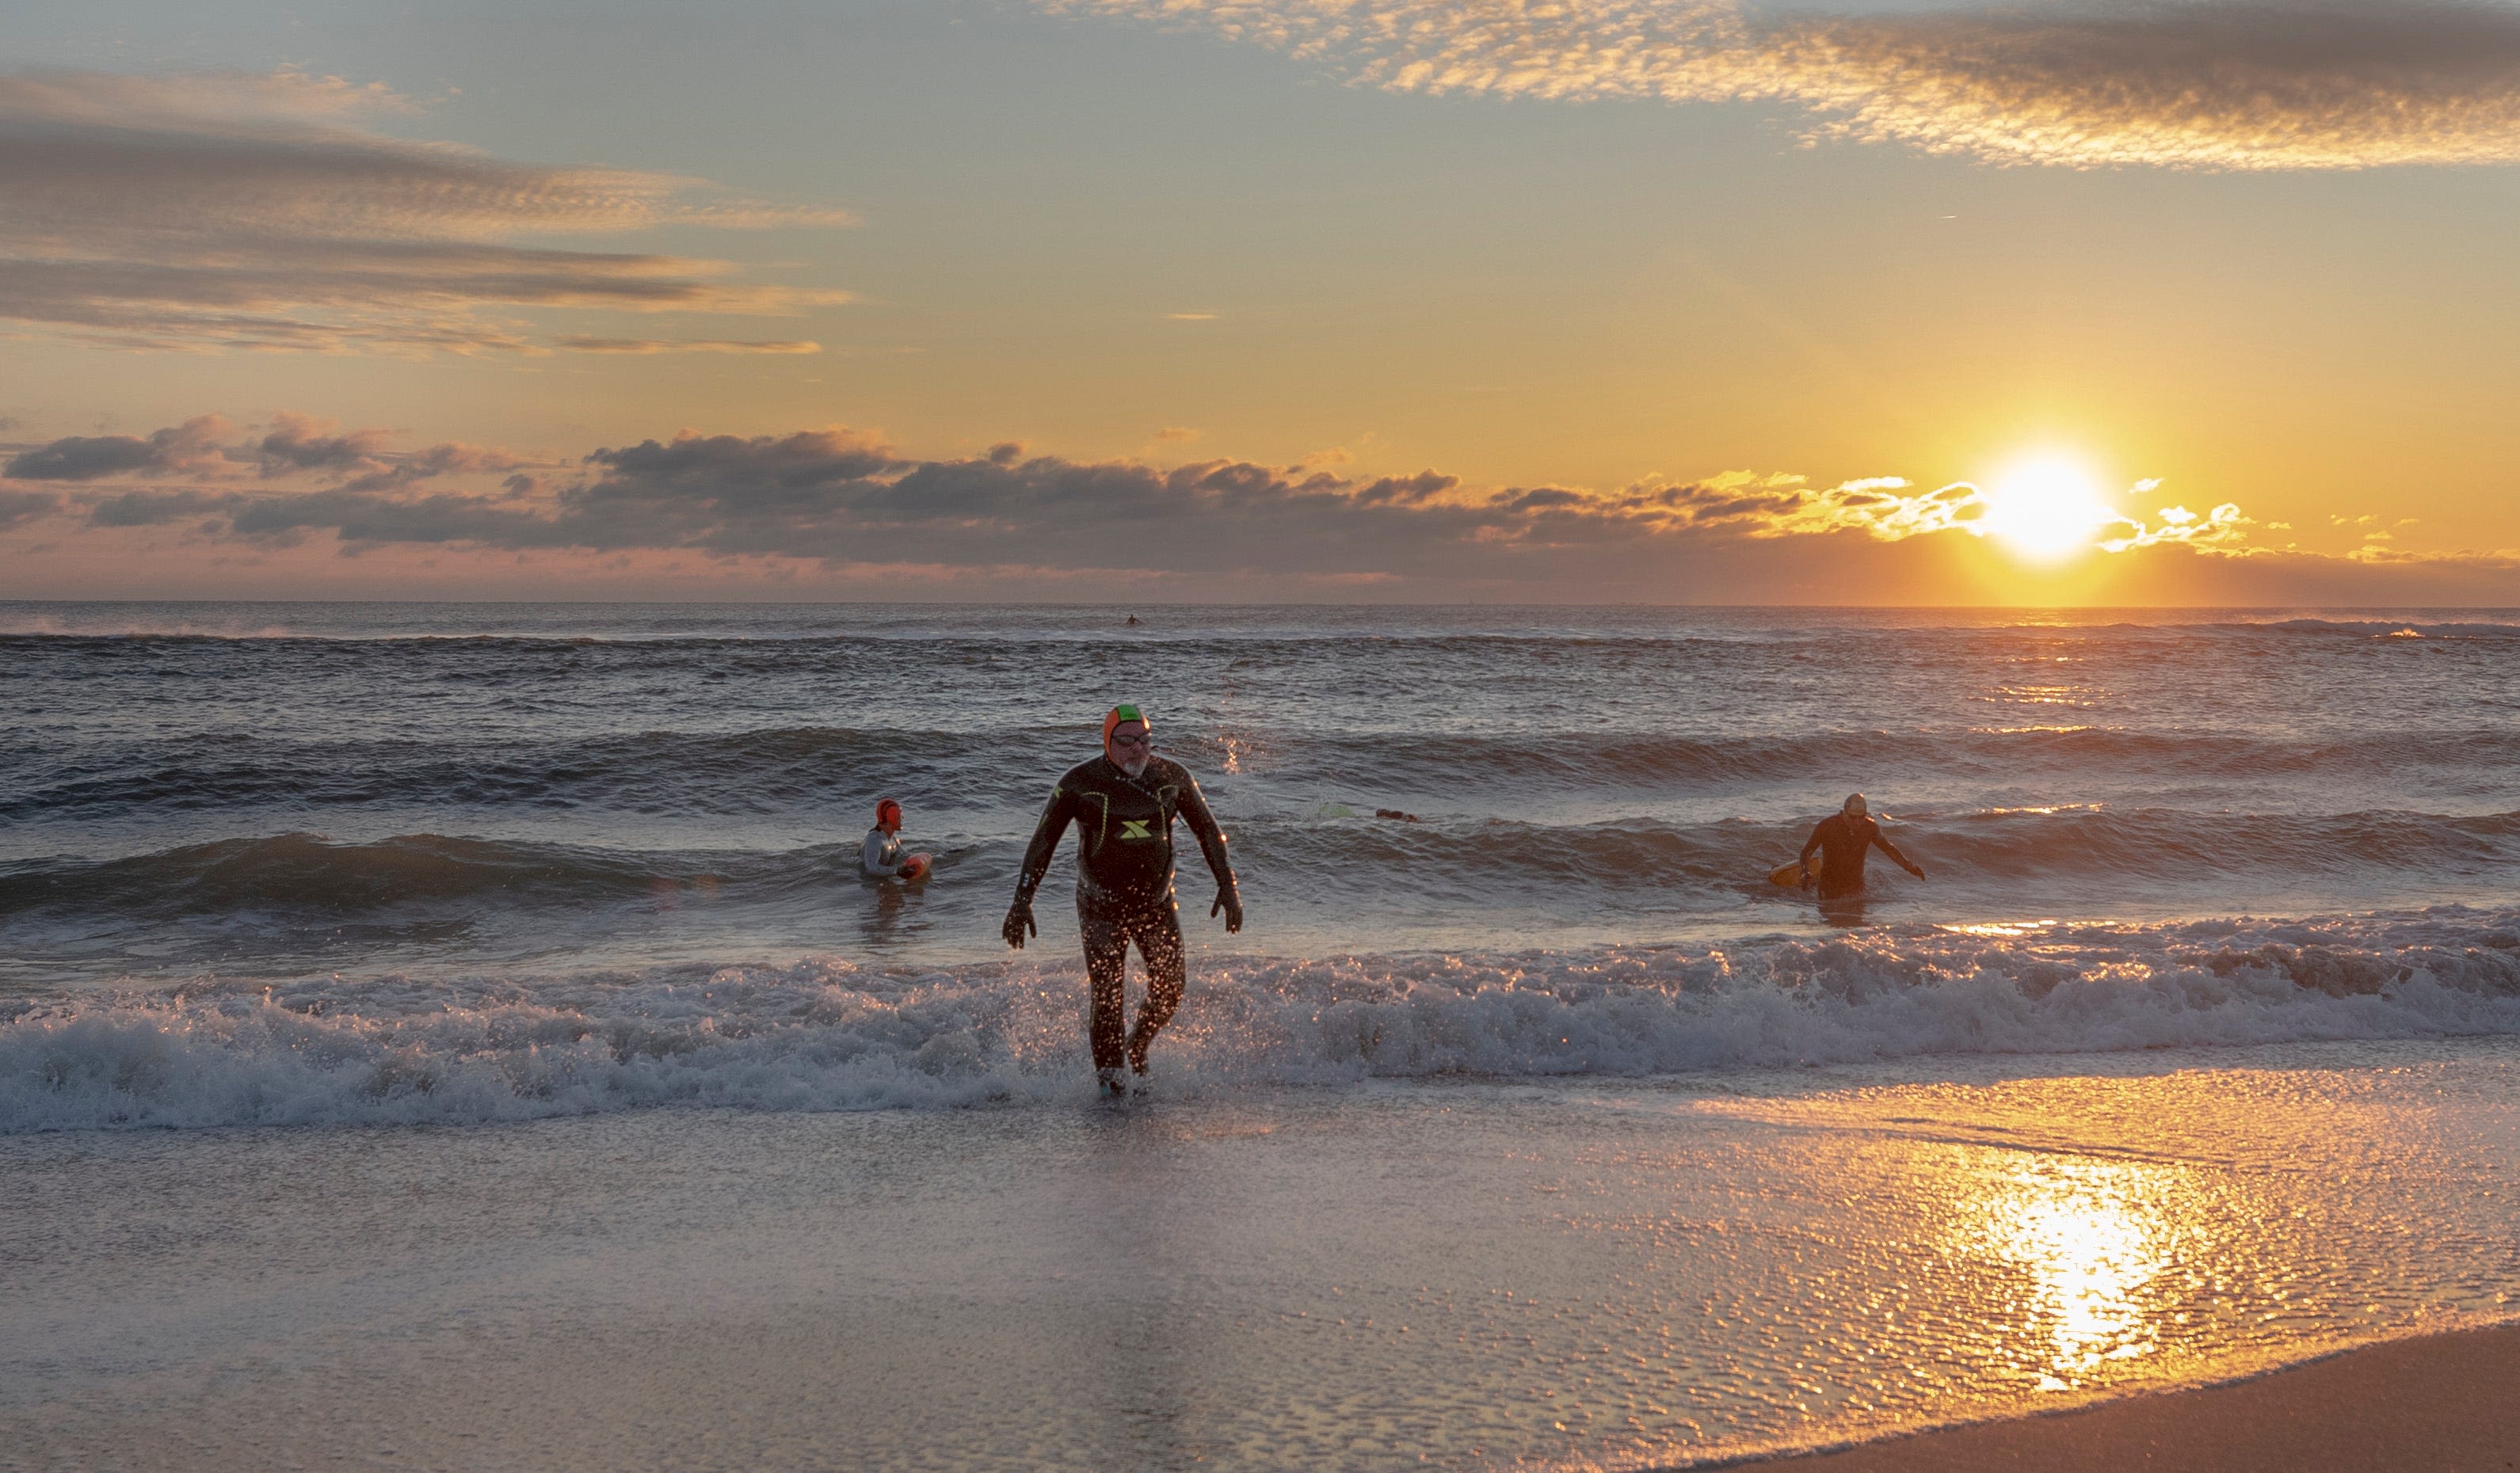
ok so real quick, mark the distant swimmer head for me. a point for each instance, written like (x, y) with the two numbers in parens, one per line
(1855, 807)
(1128, 739)
(887, 815)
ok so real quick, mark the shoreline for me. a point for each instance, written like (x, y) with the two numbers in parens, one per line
(1609, 1276)
(2445, 1403)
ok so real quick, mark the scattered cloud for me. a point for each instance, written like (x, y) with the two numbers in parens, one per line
(839, 503)
(242, 211)
(2263, 84)
(1176, 434)
(186, 449)
(842, 495)
(2498, 561)
(1191, 316)
(208, 452)
(19, 504)
(2178, 524)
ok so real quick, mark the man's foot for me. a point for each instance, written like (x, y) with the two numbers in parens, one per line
(1115, 1085)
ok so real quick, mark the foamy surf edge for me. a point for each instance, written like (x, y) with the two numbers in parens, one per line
(829, 1034)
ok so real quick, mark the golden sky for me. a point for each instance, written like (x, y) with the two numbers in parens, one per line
(1601, 300)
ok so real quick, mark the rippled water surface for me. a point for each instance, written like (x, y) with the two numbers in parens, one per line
(375, 862)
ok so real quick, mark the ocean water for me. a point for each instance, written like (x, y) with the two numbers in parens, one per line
(2205, 1010)
(298, 863)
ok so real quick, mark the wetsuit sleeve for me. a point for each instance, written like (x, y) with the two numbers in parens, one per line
(1055, 815)
(1882, 841)
(1202, 824)
(1813, 842)
(881, 856)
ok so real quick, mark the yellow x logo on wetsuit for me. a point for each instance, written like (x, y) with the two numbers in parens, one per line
(1134, 829)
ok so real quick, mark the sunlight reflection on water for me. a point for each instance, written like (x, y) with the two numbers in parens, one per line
(1610, 1275)
(2091, 1239)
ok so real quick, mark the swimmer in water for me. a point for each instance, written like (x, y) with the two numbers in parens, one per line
(881, 855)
(1843, 839)
(1123, 804)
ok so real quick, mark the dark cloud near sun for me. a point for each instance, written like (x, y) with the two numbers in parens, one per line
(263, 213)
(841, 498)
(843, 510)
(2280, 84)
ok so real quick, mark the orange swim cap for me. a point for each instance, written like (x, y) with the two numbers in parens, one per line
(1120, 713)
(887, 811)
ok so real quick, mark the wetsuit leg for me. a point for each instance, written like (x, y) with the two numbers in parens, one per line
(1106, 974)
(1159, 941)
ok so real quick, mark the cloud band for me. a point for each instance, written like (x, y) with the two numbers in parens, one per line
(2205, 84)
(234, 212)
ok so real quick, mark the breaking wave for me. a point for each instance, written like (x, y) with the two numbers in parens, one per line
(829, 1035)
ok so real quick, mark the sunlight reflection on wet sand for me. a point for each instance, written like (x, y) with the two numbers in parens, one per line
(1610, 1275)
(2090, 1239)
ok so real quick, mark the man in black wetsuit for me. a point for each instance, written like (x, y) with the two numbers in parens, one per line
(1843, 839)
(1123, 804)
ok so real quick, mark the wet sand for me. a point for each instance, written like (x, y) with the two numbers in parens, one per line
(1606, 1274)
(2444, 1403)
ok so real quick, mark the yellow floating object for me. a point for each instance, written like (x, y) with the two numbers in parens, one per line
(1789, 875)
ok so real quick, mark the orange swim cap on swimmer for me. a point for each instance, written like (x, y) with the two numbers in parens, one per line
(887, 810)
(1120, 713)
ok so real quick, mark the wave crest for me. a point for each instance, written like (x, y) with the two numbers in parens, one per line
(826, 1035)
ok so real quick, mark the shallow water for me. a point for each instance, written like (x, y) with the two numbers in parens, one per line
(1595, 1273)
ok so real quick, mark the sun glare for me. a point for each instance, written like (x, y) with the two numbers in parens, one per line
(2046, 508)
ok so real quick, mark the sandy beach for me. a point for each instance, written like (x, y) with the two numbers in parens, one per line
(2446, 1403)
(1592, 1274)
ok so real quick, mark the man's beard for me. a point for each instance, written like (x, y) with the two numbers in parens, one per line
(1134, 764)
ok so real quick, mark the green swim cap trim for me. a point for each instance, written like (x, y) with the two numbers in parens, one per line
(1126, 712)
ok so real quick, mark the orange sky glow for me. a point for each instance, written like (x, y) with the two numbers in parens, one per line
(1363, 300)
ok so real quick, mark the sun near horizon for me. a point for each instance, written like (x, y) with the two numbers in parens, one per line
(2046, 508)
(1312, 303)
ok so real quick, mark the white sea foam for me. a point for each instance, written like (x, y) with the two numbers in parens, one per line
(825, 1034)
